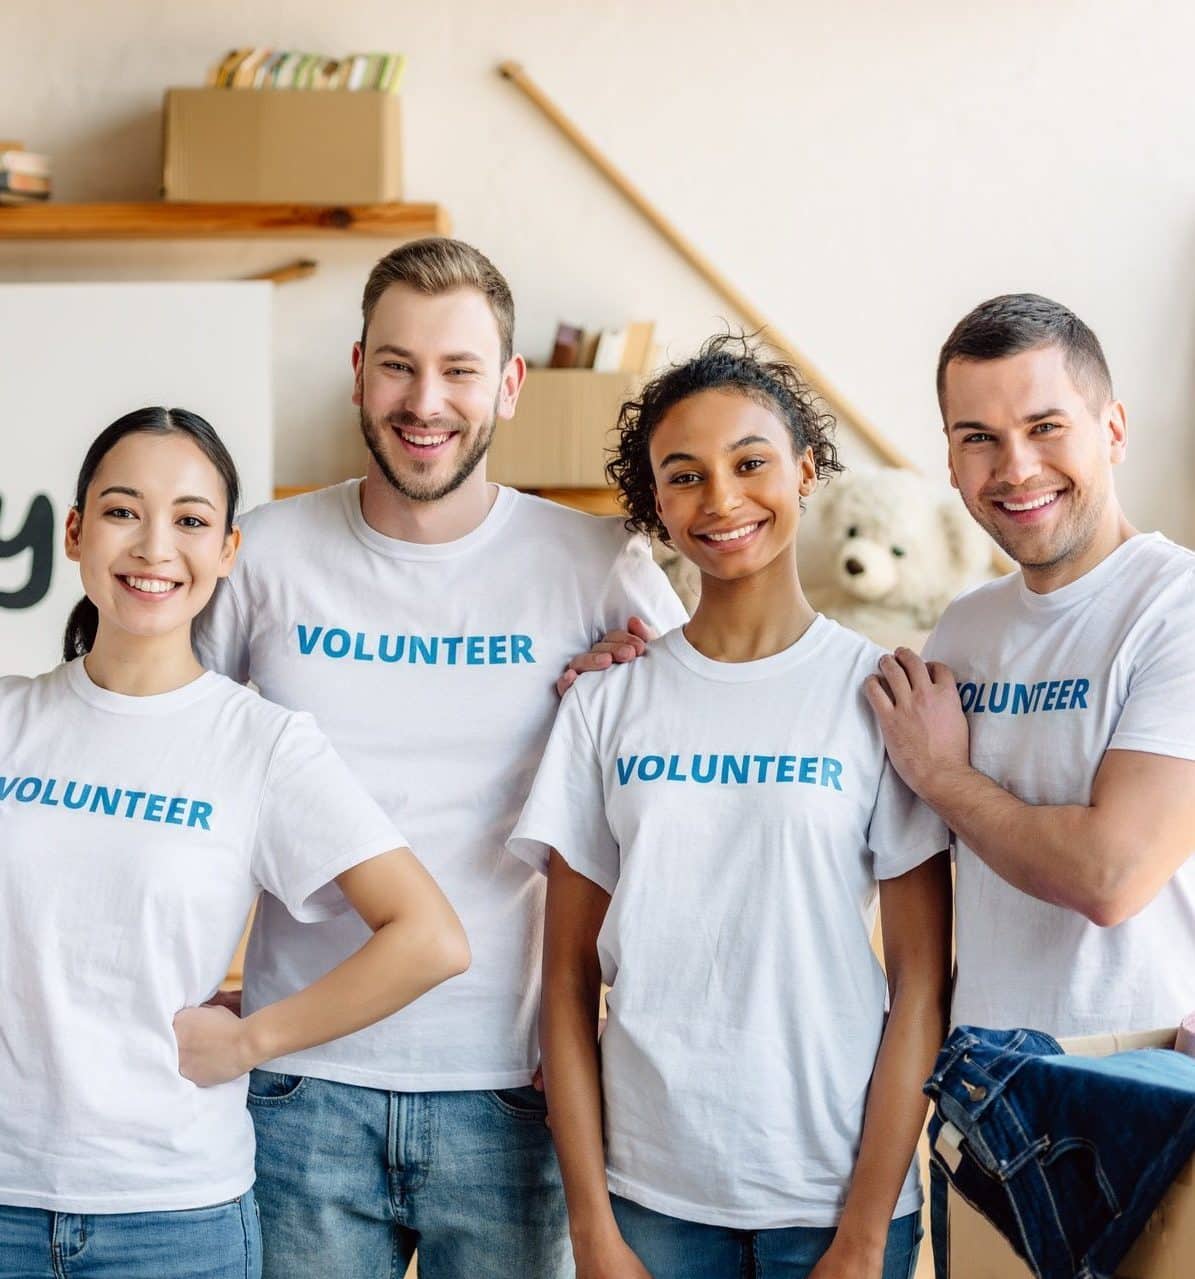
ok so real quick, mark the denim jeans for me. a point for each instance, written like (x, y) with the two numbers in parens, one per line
(352, 1180)
(1067, 1156)
(674, 1249)
(220, 1242)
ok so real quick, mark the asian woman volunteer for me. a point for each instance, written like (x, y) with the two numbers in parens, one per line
(714, 819)
(143, 804)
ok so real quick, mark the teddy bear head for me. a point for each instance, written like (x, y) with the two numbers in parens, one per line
(890, 538)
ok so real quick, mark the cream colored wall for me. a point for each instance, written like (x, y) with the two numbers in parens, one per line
(865, 171)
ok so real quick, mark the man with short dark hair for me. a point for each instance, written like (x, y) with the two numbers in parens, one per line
(423, 614)
(1053, 725)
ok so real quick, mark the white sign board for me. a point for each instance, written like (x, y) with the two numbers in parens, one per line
(74, 357)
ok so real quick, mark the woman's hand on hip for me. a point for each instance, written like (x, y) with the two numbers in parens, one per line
(212, 1046)
(614, 1259)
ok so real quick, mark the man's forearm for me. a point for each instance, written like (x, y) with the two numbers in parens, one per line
(1059, 853)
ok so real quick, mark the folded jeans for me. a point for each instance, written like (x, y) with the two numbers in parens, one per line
(1067, 1156)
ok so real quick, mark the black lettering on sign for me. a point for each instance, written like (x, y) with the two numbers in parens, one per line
(36, 534)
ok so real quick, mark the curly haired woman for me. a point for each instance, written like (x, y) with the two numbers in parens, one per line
(717, 820)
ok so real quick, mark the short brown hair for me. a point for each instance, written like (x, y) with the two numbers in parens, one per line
(1016, 322)
(438, 265)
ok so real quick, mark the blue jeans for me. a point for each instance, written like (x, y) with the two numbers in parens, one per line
(1066, 1156)
(221, 1242)
(352, 1180)
(674, 1249)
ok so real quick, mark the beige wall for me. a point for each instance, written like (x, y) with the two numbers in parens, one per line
(865, 171)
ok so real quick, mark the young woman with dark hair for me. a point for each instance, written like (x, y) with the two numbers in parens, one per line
(144, 802)
(716, 820)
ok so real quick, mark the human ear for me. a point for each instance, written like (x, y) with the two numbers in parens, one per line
(358, 373)
(229, 551)
(513, 376)
(808, 469)
(74, 526)
(1117, 424)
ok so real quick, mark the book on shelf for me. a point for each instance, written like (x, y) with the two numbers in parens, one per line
(24, 176)
(612, 344)
(565, 346)
(291, 69)
(587, 349)
(636, 355)
(18, 160)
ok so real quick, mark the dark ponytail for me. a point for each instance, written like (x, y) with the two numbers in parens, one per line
(83, 623)
(81, 629)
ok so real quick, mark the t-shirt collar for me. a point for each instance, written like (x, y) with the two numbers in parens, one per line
(123, 704)
(787, 659)
(394, 548)
(1093, 580)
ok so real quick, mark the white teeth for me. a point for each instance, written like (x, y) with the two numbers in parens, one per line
(1030, 506)
(734, 535)
(151, 585)
(427, 440)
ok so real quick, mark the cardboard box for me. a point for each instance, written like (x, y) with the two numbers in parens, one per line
(1165, 1249)
(292, 146)
(561, 429)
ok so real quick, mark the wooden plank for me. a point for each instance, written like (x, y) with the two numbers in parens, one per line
(597, 501)
(176, 221)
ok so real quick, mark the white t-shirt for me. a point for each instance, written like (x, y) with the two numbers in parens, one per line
(1049, 683)
(739, 815)
(134, 834)
(431, 668)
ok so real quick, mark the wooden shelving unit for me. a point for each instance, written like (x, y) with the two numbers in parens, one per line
(162, 220)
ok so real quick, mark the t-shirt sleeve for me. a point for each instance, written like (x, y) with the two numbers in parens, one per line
(638, 586)
(566, 809)
(220, 636)
(1158, 716)
(904, 832)
(315, 822)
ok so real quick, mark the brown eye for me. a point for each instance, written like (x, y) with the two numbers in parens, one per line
(853, 531)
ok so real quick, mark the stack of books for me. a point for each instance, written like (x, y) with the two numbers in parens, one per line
(285, 69)
(625, 350)
(24, 175)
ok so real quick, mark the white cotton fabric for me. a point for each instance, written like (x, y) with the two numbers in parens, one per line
(432, 669)
(1050, 683)
(746, 1004)
(135, 833)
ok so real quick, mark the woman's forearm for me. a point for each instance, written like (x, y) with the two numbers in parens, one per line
(401, 961)
(895, 1115)
(572, 1078)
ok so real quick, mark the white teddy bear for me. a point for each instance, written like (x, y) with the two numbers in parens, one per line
(887, 551)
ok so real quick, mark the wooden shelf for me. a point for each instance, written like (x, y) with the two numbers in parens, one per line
(162, 220)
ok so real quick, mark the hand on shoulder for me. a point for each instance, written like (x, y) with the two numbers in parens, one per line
(614, 646)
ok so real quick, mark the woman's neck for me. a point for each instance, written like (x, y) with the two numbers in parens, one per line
(752, 617)
(142, 666)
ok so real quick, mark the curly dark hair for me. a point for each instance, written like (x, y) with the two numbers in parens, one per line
(727, 361)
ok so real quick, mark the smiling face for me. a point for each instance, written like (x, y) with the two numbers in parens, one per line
(150, 541)
(728, 483)
(1032, 458)
(431, 384)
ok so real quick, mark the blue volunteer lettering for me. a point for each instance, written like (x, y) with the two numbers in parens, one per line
(739, 770)
(1005, 697)
(415, 650)
(108, 801)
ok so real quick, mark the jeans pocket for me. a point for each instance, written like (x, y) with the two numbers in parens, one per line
(1075, 1174)
(520, 1103)
(269, 1088)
